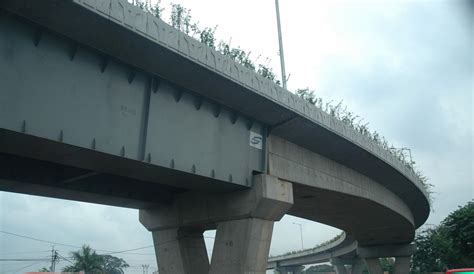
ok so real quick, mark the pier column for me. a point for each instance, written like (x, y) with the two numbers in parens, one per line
(401, 253)
(243, 219)
(402, 265)
(181, 250)
(340, 265)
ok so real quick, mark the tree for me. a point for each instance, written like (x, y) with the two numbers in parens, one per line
(89, 261)
(430, 248)
(459, 228)
(44, 269)
(449, 245)
(114, 265)
(387, 264)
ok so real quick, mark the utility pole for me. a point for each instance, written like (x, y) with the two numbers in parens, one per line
(54, 258)
(301, 234)
(145, 268)
(280, 41)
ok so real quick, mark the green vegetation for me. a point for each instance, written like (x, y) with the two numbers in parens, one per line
(448, 245)
(341, 113)
(387, 264)
(89, 261)
(182, 20)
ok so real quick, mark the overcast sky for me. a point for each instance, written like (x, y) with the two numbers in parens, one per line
(406, 67)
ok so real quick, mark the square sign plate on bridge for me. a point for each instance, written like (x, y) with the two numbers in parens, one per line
(256, 140)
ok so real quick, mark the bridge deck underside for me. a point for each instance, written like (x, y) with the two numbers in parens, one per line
(331, 193)
(37, 166)
(368, 222)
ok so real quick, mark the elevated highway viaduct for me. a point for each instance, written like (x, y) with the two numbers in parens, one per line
(346, 256)
(103, 103)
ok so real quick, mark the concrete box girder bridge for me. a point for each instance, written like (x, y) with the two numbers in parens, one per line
(103, 103)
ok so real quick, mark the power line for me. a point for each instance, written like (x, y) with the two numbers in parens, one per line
(29, 252)
(18, 269)
(38, 240)
(24, 260)
(108, 252)
(123, 251)
(64, 258)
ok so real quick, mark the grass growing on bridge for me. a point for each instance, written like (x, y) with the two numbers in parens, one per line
(181, 19)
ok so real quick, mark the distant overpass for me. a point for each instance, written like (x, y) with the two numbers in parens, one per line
(344, 247)
(344, 254)
(103, 103)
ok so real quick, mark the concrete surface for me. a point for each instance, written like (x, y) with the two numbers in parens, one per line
(241, 246)
(332, 174)
(373, 265)
(269, 199)
(402, 265)
(180, 251)
(243, 219)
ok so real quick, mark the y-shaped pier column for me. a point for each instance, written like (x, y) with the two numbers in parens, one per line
(241, 246)
(339, 265)
(402, 254)
(181, 250)
(357, 266)
(244, 221)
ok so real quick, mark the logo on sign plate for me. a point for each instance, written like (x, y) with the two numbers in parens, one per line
(256, 140)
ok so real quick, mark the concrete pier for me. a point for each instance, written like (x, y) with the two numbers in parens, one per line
(243, 219)
(242, 246)
(401, 253)
(183, 250)
(373, 266)
(402, 265)
(357, 266)
(340, 265)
